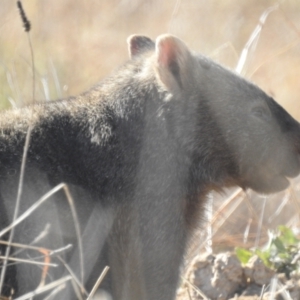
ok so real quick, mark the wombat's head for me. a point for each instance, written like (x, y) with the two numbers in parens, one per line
(236, 133)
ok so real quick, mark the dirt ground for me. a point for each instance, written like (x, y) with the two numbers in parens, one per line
(222, 277)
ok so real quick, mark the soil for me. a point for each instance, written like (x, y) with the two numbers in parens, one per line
(222, 277)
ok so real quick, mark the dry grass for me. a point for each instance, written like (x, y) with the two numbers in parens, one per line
(77, 43)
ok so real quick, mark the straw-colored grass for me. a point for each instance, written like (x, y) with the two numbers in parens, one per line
(77, 43)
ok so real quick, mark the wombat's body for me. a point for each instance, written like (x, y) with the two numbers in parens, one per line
(139, 152)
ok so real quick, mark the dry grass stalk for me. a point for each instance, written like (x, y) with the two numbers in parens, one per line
(252, 42)
(78, 233)
(28, 261)
(31, 209)
(75, 279)
(47, 287)
(16, 211)
(36, 205)
(196, 289)
(98, 282)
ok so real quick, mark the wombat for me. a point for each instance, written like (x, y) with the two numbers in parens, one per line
(139, 153)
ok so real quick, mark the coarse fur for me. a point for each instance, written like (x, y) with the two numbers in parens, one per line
(140, 151)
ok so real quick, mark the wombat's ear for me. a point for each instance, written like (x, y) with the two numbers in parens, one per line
(174, 63)
(138, 44)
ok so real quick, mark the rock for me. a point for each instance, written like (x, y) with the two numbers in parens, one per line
(255, 271)
(218, 277)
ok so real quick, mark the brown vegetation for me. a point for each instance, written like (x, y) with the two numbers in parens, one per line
(78, 43)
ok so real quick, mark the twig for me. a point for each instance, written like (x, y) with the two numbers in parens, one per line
(253, 39)
(217, 215)
(28, 261)
(196, 289)
(37, 204)
(283, 291)
(45, 288)
(55, 291)
(99, 280)
(16, 212)
(75, 279)
(189, 294)
(284, 202)
(260, 223)
(262, 292)
(31, 209)
(273, 288)
(209, 215)
(18, 245)
(77, 229)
